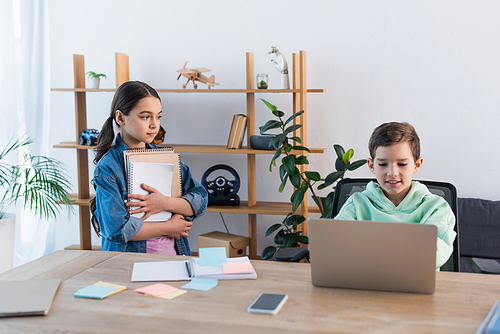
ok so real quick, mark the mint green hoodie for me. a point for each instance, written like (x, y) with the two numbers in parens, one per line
(419, 206)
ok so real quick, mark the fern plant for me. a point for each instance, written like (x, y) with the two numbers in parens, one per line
(39, 181)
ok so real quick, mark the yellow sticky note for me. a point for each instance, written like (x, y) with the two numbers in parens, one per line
(237, 268)
(118, 287)
(172, 295)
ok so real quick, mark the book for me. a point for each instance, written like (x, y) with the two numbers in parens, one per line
(158, 168)
(240, 134)
(26, 298)
(237, 131)
(491, 324)
(232, 132)
(186, 270)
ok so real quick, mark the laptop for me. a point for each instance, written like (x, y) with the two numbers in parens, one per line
(367, 255)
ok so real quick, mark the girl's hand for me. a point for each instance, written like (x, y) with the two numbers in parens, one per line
(178, 227)
(150, 204)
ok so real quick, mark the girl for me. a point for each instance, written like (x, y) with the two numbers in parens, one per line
(136, 110)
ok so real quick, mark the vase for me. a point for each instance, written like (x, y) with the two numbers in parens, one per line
(7, 229)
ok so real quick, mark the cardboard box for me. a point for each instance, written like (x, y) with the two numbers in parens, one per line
(235, 245)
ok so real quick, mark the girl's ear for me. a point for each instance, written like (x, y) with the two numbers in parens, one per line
(120, 118)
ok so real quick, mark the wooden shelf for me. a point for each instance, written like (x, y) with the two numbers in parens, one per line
(227, 91)
(261, 208)
(251, 207)
(182, 148)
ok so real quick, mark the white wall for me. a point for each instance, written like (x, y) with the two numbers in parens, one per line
(434, 64)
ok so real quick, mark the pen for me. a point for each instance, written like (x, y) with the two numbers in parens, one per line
(187, 267)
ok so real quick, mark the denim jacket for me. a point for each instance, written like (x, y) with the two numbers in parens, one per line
(117, 226)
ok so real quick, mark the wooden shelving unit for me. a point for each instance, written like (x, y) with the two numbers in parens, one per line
(251, 207)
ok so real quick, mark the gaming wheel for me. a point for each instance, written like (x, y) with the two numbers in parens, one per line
(222, 191)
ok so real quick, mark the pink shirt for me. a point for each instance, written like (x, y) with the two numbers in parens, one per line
(163, 245)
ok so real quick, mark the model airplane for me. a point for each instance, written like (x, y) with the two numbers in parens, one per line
(195, 74)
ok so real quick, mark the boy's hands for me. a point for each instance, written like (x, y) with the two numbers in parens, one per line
(149, 204)
(178, 227)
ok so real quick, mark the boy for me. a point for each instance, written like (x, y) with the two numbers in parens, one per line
(394, 158)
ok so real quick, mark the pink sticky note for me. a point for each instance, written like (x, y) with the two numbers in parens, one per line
(157, 289)
(237, 268)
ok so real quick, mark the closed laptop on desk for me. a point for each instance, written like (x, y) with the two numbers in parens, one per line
(370, 255)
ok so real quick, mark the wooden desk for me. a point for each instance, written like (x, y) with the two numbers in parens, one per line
(460, 303)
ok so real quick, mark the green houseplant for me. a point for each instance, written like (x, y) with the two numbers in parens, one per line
(95, 78)
(40, 181)
(288, 145)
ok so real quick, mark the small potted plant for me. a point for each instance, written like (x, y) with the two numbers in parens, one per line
(39, 181)
(95, 78)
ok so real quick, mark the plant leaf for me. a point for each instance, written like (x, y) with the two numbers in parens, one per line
(283, 184)
(289, 163)
(278, 113)
(271, 124)
(332, 177)
(298, 113)
(292, 128)
(328, 205)
(272, 228)
(348, 155)
(301, 148)
(339, 150)
(269, 105)
(339, 164)
(356, 164)
(301, 160)
(278, 238)
(297, 139)
(268, 252)
(298, 198)
(303, 239)
(295, 177)
(314, 176)
(289, 239)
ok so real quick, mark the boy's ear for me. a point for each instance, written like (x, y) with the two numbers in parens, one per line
(418, 164)
(371, 165)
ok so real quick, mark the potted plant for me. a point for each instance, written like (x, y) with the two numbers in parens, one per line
(95, 78)
(288, 234)
(41, 183)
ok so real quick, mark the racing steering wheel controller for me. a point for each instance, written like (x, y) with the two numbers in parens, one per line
(222, 191)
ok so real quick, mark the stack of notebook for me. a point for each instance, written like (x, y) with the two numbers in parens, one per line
(158, 168)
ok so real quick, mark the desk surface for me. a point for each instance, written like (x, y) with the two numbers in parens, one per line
(460, 303)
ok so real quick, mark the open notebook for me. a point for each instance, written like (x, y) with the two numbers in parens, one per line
(186, 270)
(158, 168)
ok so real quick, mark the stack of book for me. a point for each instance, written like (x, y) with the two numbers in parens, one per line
(237, 131)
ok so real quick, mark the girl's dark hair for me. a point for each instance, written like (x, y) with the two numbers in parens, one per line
(126, 98)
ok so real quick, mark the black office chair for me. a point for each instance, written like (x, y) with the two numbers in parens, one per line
(346, 187)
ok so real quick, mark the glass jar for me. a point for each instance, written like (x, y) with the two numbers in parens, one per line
(262, 81)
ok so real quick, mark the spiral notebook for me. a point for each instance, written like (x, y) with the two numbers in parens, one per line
(159, 168)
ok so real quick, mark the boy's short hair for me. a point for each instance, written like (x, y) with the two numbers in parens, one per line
(392, 133)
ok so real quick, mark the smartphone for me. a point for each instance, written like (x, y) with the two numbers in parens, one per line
(268, 303)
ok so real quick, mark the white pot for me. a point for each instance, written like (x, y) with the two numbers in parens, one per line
(7, 228)
(94, 82)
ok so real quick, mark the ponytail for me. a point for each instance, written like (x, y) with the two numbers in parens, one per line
(126, 98)
(105, 139)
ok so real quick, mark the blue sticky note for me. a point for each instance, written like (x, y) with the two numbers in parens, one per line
(202, 284)
(212, 256)
(94, 291)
